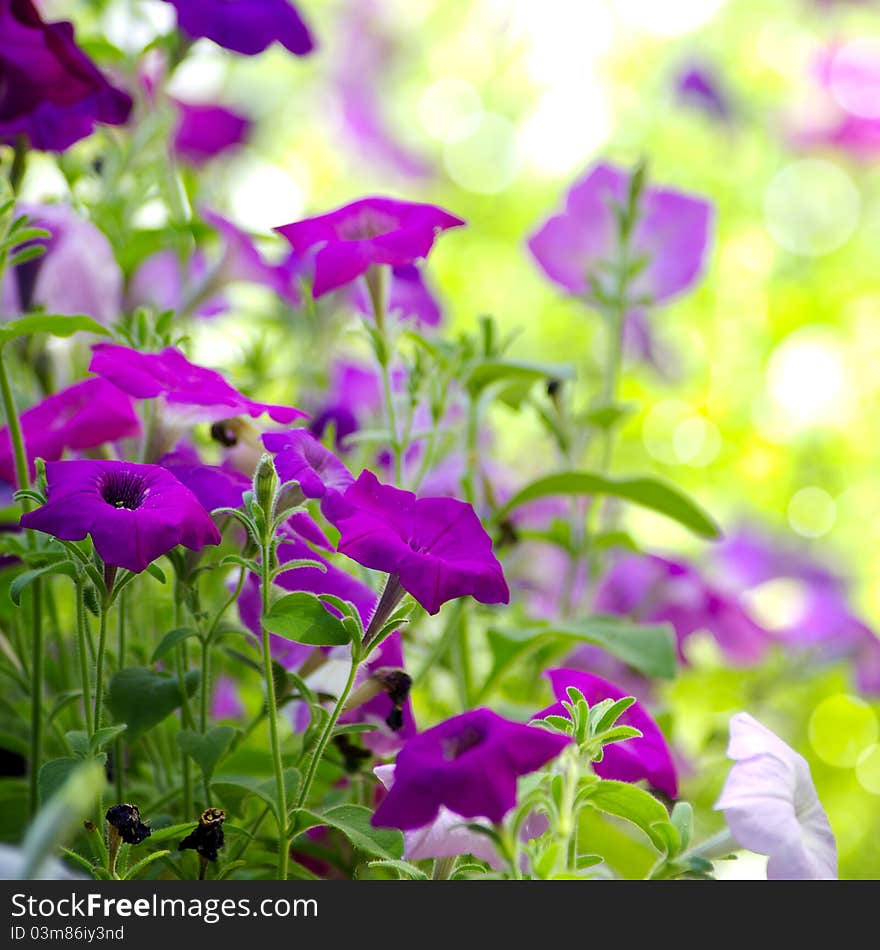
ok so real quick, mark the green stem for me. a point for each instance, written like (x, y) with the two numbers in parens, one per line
(36, 694)
(272, 711)
(15, 434)
(376, 280)
(99, 668)
(329, 726)
(84, 658)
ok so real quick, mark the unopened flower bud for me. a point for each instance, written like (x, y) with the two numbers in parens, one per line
(266, 484)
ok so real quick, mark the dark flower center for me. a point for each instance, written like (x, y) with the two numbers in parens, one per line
(368, 224)
(124, 490)
(454, 747)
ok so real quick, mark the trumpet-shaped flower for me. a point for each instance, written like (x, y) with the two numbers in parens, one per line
(771, 805)
(468, 764)
(436, 547)
(300, 457)
(134, 513)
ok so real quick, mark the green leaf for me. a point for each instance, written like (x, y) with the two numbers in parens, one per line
(53, 774)
(651, 493)
(142, 698)
(262, 788)
(136, 869)
(54, 324)
(303, 618)
(403, 867)
(683, 818)
(105, 735)
(208, 749)
(493, 371)
(354, 822)
(633, 804)
(170, 640)
(26, 578)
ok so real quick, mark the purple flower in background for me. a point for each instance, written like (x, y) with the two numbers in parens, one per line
(771, 805)
(204, 131)
(84, 415)
(50, 91)
(353, 396)
(436, 547)
(77, 274)
(215, 486)
(647, 757)
(226, 700)
(821, 620)
(698, 86)
(469, 764)
(134, 513)
(364, 233)
(300, 457)
(658, 590)
(409, 297)
(165, 281)
(200, 394)
(244, 26)
(672, 233)
(366, 58)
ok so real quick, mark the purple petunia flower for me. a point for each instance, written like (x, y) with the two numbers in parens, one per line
(658, 590)
(78, 273)
(353, 396)
(409, 297)
(226, 699)
(647, 757)
(771, 805)
(134, 513)
(50, 91)
(215, 486)
(84, 415)
(204, 131)
(245, 26)
(672, 233)
(198, 393)
(435, 547)
(364, 233)
(469, 764)
(698, 86)
(300, 457)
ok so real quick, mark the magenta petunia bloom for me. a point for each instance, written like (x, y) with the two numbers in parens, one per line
(771, 805)
(469, 764)
(78, 273)
(657, 590)
(245, 26)
(353, 396)
(134, 513)
(204, 131)
(215, 486)
(409, 297)
(672, 233)
(198, 393)
(50, 91)
(370, 231)
(436, 547)
(84, 415)
(300, 457)
(647, 757)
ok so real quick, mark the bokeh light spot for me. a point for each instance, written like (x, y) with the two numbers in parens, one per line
(812, 512)
(486, 161)
(841, 728)
(868, 769)
(450, 109)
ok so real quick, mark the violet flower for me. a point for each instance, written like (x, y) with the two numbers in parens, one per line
(435, 548)
(409, 297)
(771, 805)
(244, 26)
(78, 273)
(199, 393)
(83, 416)
(646, 757)
(353, 396)
(50, 91)
(215, 486)
(165, 281)
(469, 764)
(226, 699)
(672, 233)
(204, 131)
(134, 513)
(364, 233)
(300, 457)
(658, 590)
(697, 86)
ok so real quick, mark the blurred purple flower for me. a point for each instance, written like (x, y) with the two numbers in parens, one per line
(300, 457)
(365, 58)
(50, 91)
(353, 396)
(436, 548)
(647, 757)
(658, 590)
(83, 416)
(77, 274)
(469, 764)
(134, 513)
(204, 131)
(215, 486)
(409, 297)
(226, 700)
(364, 233)
(200, 394)
(244, 26)
(771, 805)
(698, 86)
(672, 233)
